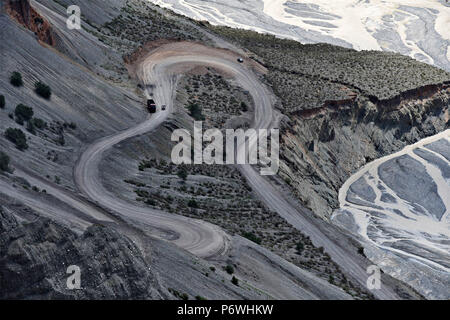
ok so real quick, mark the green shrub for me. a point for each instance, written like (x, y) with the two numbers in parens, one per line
(142, 193)
(43, 90)
(4, 162)
(182, 173)
(30, 127)
(196, 112)
(244, 106)
(229, 269)
(361, 251)
(39, 123)
(330, 279)
(235, 281)
(192, 203)
(252, 237)
(299, 247)
(16, 79)
(17, 137)
(179, 295)
(71, 125)
(19, 120)
(61, 140)
(2, 102)
(184, 296)
(136, 183)
(24, 112)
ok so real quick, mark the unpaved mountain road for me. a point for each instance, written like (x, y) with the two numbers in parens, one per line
(159, 71)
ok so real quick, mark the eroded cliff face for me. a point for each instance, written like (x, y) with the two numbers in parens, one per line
(322, 147)
(35, 254)
(26, 15)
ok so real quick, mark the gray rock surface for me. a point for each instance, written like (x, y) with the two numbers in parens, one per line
(35, 254)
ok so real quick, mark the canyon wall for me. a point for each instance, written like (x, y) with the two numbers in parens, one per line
(26, 15)
(322, 147)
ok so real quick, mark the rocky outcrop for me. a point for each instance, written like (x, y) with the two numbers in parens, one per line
(420, 93)
(25, 14)
(34, 257)
(321, 148)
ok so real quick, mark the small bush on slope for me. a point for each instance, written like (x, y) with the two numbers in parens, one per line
(23, 112)
(4, 162)
(17, 137)
(16, 79)
(43, 90)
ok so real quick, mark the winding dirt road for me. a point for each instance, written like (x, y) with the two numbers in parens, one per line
(159, 71)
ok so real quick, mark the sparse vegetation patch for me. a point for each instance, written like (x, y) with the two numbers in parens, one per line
(17, 137)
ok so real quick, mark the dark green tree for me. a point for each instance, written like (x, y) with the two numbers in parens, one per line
(31, 128)
(16, 79)
(43, 90)
(192, 204)
(17, 137)
(24, 112)
(229, 269)
(182, 174)
(196, 112)
(39, 123)
(244, 106)
(299, 247)
(252, 237)
(4, 162)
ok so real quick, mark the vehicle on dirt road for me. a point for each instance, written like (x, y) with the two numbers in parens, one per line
(240, 60)
(151, 106)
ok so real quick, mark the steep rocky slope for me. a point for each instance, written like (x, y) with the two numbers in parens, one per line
(36, 252)
(115, 261)
(93, 97)
(343, 113)
(343, 109)
(79, 96)
(26, 15)
(321, 150)
(217, 194)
